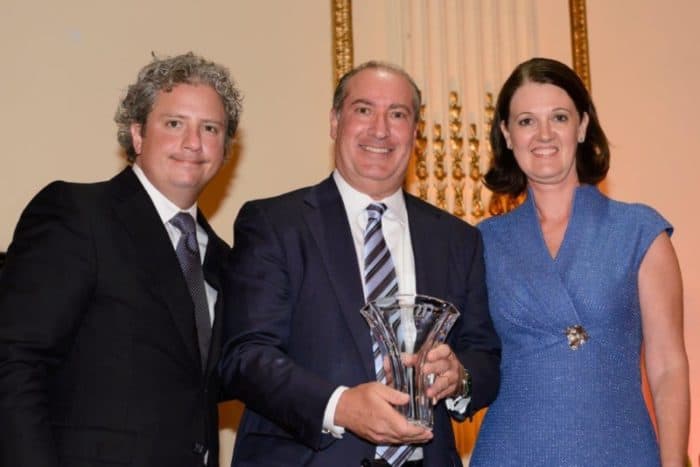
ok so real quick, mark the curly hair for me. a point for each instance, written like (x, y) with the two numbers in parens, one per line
(341, 89)
(592, 155)
(162, 74)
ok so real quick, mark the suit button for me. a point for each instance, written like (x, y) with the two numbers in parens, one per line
(199, 448)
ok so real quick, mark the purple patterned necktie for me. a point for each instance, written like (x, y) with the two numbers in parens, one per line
(187, 252)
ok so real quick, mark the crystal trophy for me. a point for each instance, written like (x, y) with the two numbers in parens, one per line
(406, 328)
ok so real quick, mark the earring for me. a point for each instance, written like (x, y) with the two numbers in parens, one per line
(581, 139)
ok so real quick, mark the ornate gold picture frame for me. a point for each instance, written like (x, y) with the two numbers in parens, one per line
(341, 11)
(579, 40)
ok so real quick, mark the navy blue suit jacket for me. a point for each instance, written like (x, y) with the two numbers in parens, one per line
(293, 331)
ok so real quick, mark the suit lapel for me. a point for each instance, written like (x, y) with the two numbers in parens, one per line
(328, 223)
(429, 255)
(155, 254)
(214, 257)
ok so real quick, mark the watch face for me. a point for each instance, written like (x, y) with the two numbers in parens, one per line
(466, 384)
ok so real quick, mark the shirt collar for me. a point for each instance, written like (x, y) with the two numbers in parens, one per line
(356, 202)
(166, 209)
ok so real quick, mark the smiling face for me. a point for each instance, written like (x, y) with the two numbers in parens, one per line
(543, 131)
(181, 146)
(374, 131)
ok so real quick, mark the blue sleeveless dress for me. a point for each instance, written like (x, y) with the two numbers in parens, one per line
(558, 406)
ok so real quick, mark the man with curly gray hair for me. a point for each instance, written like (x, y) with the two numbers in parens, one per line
(111, 293)
(163, 75)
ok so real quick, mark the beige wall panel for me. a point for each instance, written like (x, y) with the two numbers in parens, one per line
(553, 32)
(66, 64)
(645, 62)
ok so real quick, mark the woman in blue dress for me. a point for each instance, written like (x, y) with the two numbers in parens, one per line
(580, 287)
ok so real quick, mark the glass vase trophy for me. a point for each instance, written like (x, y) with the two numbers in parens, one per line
(406, 328)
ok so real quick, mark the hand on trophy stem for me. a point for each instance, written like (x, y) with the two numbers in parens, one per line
(367, 411)
(447, 369)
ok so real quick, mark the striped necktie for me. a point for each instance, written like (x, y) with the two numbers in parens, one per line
(380, 281)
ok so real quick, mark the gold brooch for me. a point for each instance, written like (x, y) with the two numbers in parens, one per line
(576, 335)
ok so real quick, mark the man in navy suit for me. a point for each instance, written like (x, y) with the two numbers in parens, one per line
(297, 351)
(107, 356)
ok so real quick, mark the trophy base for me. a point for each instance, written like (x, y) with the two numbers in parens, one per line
(421, 423)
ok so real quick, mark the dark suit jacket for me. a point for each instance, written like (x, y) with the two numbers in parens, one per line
(99, 363)
(293, 331)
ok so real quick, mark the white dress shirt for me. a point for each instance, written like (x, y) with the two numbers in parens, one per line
(398, 239)
(167, 210)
